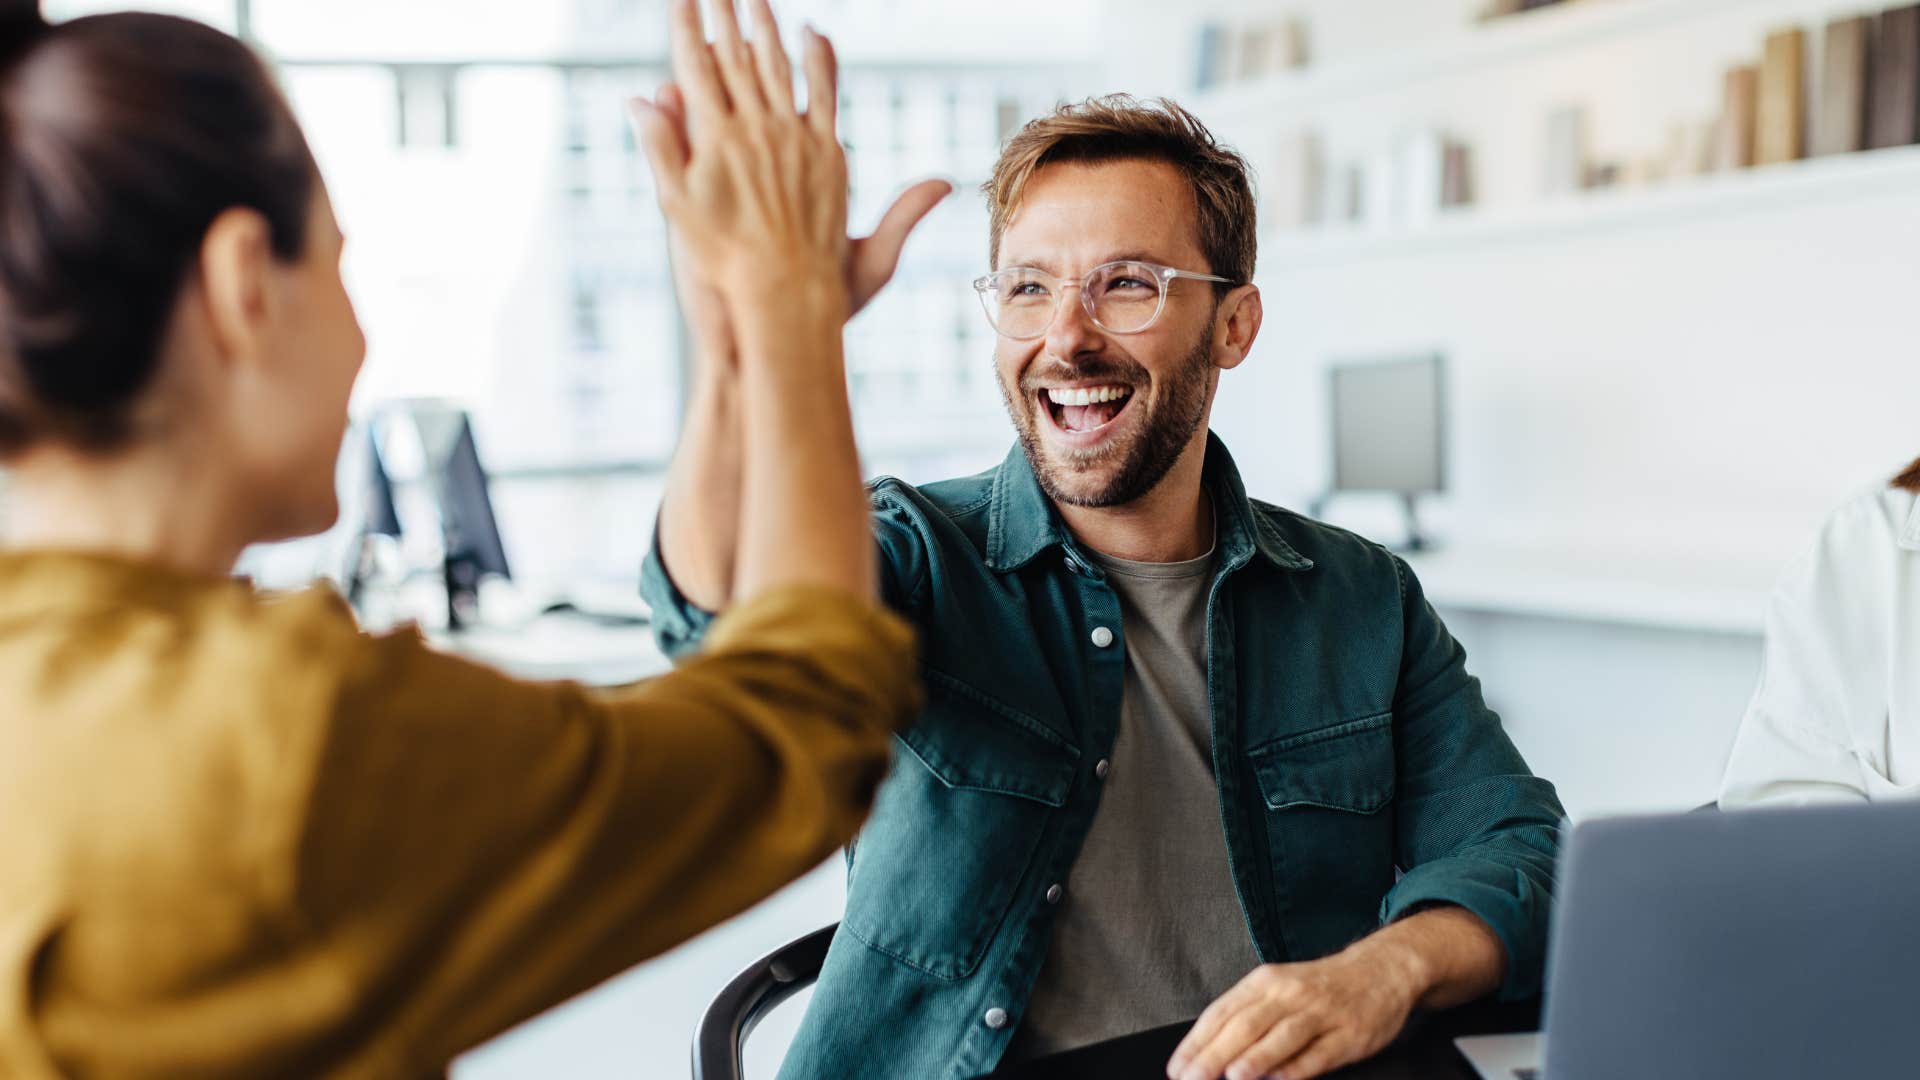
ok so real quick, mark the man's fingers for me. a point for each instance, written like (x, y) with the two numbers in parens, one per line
(1279, 1046)
(1199, 1037)
(906, 212)
(735, 60)
(877, 256)
(1214, 1017)
(1321, 1056)
(823, 84)
(666, 152)
(693, 64)
(1243, 1030)
(770, 54)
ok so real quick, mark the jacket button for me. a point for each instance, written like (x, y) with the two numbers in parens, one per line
(1054, 893)
(996, 1018)
(1101, 768)
(1102, 637)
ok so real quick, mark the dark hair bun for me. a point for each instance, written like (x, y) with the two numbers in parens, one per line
(121, 141)
(20, 26)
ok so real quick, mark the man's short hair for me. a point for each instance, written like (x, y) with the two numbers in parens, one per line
(1120, 127)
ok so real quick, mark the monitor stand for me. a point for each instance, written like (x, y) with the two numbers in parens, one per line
(461, 572)
(1416, 540)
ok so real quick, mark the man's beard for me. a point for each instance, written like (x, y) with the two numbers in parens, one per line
(1146, 457)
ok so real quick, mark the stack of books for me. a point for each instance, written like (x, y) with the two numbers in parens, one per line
(1867, 98)
(1243, 52)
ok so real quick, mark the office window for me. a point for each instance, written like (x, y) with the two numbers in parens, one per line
(506, 251)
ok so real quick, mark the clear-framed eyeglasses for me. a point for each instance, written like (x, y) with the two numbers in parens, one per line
(1120, 297)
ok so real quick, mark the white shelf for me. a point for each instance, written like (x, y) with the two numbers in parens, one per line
(1691, 593)
(1755, 191)
(1472, 49)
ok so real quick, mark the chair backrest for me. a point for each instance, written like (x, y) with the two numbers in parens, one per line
(720, 1041)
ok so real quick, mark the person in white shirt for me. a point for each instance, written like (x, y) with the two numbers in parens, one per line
(1837, 713)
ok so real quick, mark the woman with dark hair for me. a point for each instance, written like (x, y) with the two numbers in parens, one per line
(1837, 711)
(242, 837)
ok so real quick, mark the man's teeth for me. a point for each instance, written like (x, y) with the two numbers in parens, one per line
(1087, 396)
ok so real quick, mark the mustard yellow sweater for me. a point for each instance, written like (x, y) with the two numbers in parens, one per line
(240, 837)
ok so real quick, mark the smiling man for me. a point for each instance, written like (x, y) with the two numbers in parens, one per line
(1185, 753)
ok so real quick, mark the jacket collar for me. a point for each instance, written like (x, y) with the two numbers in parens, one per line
(1022, 523)
(1910, 536)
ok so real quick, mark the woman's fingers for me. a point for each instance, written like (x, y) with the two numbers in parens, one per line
(694, 67)
(735, 60)
(673, 101)
(665, 145)
(770, 54)
(672, 104)
(823, 86)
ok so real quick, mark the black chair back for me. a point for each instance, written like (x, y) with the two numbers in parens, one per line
(720, 1041)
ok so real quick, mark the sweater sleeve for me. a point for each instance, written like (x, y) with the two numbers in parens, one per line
(476, 849)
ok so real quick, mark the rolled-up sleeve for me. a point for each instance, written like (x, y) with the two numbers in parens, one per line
(481, 848)
(1475, 828)
(678, 623)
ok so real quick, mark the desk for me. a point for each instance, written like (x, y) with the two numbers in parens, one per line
(1424, 1051)
(1707, 592)
(561, 647)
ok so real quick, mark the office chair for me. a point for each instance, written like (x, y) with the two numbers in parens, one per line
(720, 1040)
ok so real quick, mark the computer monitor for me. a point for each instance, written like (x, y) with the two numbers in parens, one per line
(379, 516)
(367, 509)
(468, 529)
(1389, 430)
(439, 459)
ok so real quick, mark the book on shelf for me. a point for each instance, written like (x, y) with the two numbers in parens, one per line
(1456, 174)
(1688, 152)
(1292, 44)
(1840, 110)
(1352, 194)
(1432, 172)
(1893, 102)
(1295, 182)
(1733, 141)
(1566, 149)
(1779, 128)
(1210, 64)
(1268, 48)
(1253, 52)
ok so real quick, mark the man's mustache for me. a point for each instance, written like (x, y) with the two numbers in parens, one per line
(1127, 373)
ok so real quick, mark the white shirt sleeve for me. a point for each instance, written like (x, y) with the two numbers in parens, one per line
(1823, 679)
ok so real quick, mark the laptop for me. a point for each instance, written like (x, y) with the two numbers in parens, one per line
(1769, 944)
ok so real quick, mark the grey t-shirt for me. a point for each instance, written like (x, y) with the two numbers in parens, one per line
(1150, 930)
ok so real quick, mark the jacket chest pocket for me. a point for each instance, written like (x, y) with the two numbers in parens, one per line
(954, 830)
(1330, 828)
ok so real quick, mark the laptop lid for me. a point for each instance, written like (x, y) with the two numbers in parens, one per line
(1757, 944)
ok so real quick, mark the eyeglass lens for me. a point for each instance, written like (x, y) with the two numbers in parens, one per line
(1121, 297)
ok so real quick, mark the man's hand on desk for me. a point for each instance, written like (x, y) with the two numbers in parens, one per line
(1300, 1021)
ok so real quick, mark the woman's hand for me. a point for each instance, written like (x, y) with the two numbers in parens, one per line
(870, 261)
(754, 188)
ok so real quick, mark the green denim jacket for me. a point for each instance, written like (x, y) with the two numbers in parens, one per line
(1361, 774)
